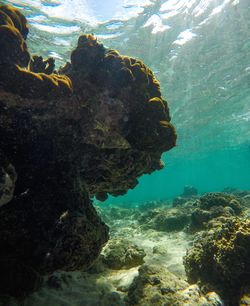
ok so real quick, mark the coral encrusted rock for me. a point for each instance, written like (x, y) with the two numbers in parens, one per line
(158, 286)
(220, 199)
(120, 253)
(213, 209)
(90, 129)
(219, 259)
(165, 220)
(13, 17)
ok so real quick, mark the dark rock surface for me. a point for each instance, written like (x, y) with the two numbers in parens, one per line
(90, 129)
(8, 178)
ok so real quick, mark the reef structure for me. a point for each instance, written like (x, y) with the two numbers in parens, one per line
(219, 260)
(90, 129)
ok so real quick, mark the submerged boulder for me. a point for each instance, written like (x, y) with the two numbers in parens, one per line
(213, 209)
(193, 214)
(157, 286)
(90, 129)
(219, 259)
(165, 220)
(120, 253)
(210, 200)
(189, 191)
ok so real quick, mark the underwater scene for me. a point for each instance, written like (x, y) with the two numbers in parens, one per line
(125, 153)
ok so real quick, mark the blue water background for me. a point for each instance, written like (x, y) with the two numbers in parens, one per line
(208, 173)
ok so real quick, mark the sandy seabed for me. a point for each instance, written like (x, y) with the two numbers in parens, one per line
(142, 264)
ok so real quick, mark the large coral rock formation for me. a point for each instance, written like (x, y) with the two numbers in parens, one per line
(51, 226)
(219, 259)
(90, 129)
(128, 120)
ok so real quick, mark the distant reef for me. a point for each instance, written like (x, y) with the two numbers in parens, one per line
(89, 129)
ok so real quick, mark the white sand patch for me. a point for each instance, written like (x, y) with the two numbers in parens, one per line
(174, 244)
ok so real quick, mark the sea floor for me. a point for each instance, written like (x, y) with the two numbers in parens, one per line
(103, 288)
(146, 248)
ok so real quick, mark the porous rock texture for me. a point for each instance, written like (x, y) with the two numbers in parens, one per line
(90, 129)
(165, 220)
(219, 259)
(213, 209)
(157, 286)
(120, 253)
(196, 214)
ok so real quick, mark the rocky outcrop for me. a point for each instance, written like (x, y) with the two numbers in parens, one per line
(214, 209)
(189, 193)
(219, 259)
(193, 214)
(88, 130)
(165, 220)
(157, 286)
(210, 200)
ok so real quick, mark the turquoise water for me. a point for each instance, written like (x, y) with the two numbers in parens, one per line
(200, 52)
(213, 171)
